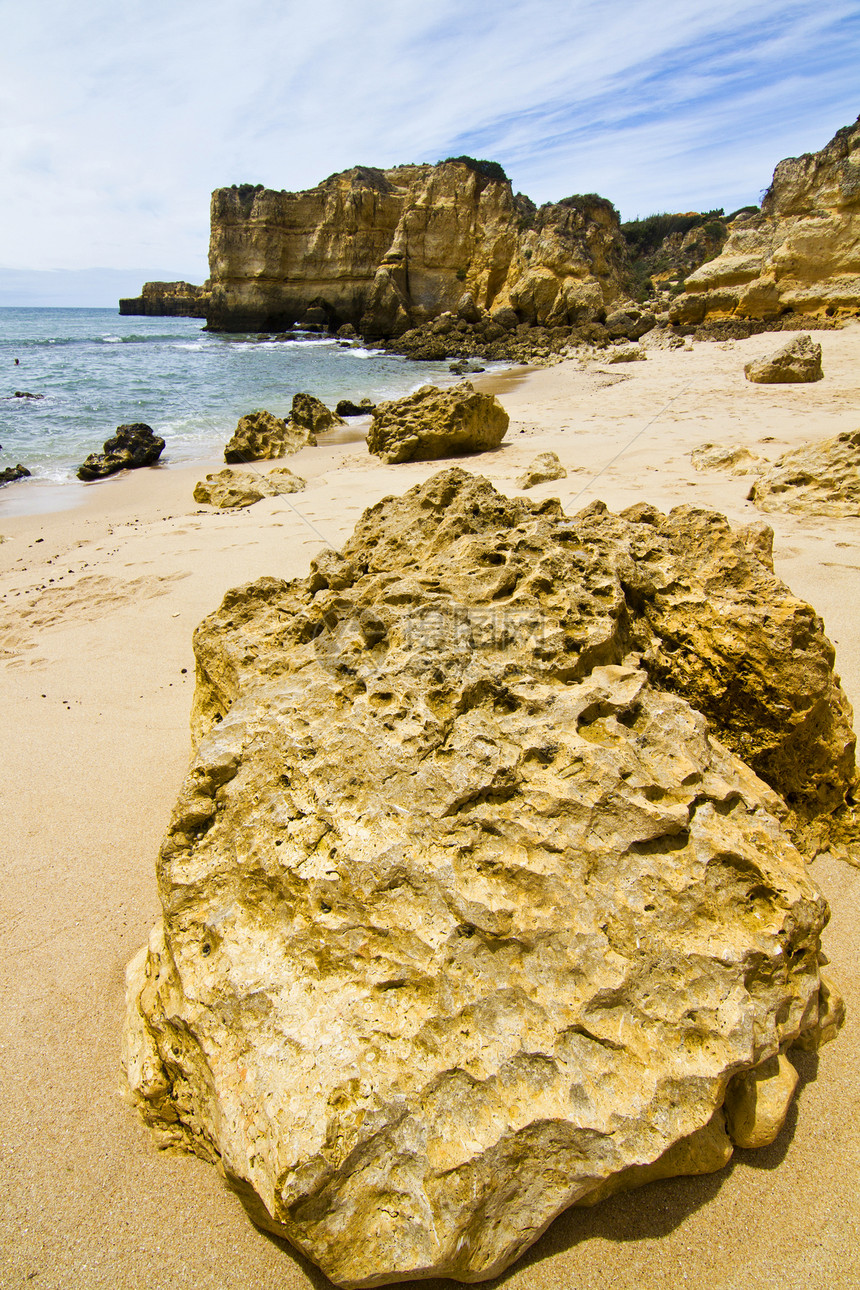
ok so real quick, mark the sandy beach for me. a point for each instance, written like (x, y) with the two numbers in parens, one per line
(98, 606)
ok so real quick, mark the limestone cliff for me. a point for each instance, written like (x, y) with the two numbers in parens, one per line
(385, 250)
(800, 254)
(168, 300)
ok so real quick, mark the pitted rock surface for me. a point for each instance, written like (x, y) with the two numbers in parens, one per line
(817, 479)
(798, 361)
(261, 436)
(232, 489)
(467, 918)
(311, 414)
(433, 423)
(545, 469)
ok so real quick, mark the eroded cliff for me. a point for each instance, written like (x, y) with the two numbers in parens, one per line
(385, 250)
(800, 254)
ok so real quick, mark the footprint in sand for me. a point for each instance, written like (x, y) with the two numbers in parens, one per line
(89, 599)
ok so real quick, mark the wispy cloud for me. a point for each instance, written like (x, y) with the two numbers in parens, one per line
(116, 121)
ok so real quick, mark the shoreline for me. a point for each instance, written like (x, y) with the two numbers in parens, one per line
(43, 495)
(98, 607)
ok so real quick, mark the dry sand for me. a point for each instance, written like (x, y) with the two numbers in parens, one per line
(96, 616)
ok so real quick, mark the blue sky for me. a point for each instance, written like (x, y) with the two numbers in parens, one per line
(117, 120)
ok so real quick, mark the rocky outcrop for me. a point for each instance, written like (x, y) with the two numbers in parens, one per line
(629, 322)
(817, 479)
(468, 915)
(545, 469)
(261, 436)
(168, 299)
(433, 423)
(448, 337)
(626, 354)
(799, 254)
(734, 458)
(130, 448)
(11, 474)
(797, 362)
(311, 415)
(230, 489)
(386, 250)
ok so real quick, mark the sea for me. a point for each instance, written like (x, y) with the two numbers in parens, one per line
(96, 370)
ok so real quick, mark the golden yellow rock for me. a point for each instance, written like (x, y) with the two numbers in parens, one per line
(432, 423)
(817, 479)
(798, 361)
(545, 469)
(232, 489)
(830, 1017)
(168, 299)
(261, 436)
(387, 249)
(757, 1102)
(734, 458)
(799, 254)
(466, 916)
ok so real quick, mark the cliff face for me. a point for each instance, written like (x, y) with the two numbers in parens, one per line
(386, 250)
(800, 254)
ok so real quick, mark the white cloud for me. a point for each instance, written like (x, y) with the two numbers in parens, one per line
(116, 121)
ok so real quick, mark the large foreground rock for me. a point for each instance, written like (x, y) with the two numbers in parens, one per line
(130, 448)
(467, 916)
(798, 361)
(231, 489)
(817, 479)
(434, 423)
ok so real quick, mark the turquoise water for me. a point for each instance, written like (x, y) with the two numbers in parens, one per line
(98, 370)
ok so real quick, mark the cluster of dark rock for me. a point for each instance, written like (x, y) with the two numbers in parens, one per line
(347, 408)
(500, 336)
(11, 474)
(131, 447)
